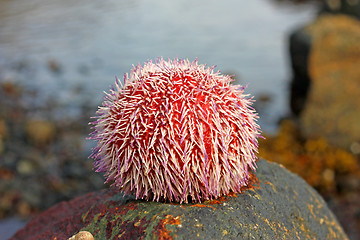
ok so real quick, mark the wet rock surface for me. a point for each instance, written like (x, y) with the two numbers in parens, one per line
(276, 205)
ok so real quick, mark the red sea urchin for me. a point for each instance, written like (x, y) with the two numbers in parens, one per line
(176, 131)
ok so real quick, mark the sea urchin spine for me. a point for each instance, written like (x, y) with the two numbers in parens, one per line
(176, 131)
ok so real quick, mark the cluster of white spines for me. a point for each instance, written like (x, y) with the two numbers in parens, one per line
(176, 130)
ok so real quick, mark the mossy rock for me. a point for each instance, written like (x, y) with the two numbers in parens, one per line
(277, 204)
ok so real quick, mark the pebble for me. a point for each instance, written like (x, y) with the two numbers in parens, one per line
(82, 235)
(40, 132)
(25, 167)
(3, 128)
(355, 148)
(54, 66)
(3, 132)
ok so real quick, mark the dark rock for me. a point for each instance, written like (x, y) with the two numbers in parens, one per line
(348, 7)
(300, 42)
(276, 205)
(54, 66)
(3, 133)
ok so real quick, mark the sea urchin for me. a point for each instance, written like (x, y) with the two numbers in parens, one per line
(176, 131)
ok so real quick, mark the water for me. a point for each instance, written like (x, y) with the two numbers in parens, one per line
(9, 226)
(91, 42)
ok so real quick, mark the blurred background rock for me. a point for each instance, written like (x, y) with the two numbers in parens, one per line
(321, 138)
(56, 58)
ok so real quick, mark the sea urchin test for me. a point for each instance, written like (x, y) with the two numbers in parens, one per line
(176, 131)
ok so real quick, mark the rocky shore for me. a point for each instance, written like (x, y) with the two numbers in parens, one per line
(43, 159)
(44, 151)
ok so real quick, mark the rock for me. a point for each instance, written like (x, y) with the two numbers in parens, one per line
(348, 7)
(10, 89)
(3, 133)
(40, 132)
(54, 66)
(332, 106)
(299, 43)
(276, 205)
(82, 235)
(25, 167)
(3, 128)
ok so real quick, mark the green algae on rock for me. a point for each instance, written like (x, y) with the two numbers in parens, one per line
(276, 205)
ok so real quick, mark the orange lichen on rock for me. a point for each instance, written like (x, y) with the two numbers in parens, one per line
(162, 232)
(314, 159)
